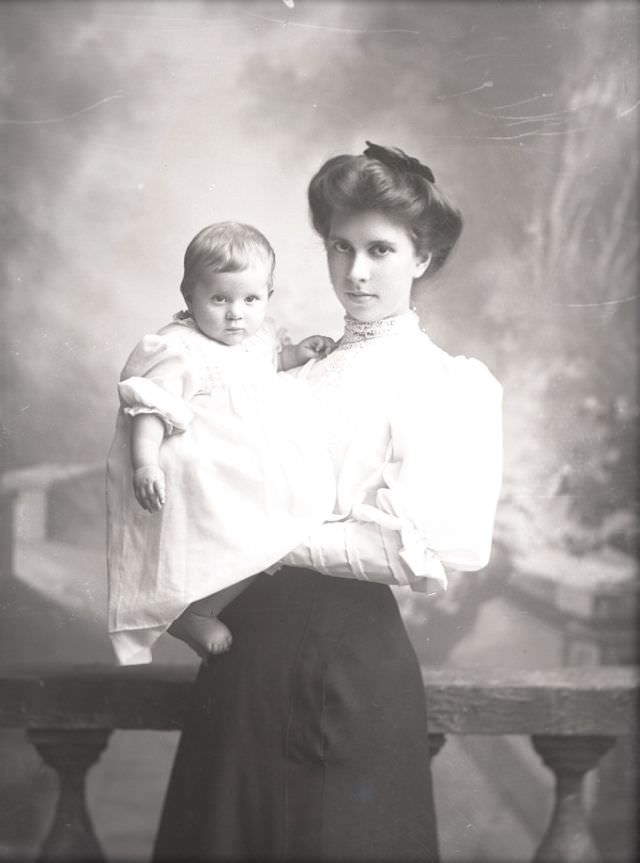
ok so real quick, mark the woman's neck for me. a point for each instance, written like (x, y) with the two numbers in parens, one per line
(396, 325)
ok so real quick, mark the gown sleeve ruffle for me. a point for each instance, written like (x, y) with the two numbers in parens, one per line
(159, 378)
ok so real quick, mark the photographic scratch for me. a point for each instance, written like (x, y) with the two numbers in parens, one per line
(118, 95)
(476, 57)
(601, 303)
(550, 122)
(531, 118)
(348, 30)
(628, 110)
(532, 133)
(538, 132)
(557, 173)
(482, 86)
(523, 102)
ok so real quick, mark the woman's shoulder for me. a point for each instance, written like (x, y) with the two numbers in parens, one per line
(462, 370)
(453, 376)
(441, 392)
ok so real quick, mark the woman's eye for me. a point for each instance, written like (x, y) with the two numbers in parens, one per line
(381, 250)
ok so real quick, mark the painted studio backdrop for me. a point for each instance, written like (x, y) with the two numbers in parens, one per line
(128, 126)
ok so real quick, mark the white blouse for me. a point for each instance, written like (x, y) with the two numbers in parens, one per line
(416, 443)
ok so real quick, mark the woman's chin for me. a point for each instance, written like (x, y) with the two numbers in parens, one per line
(367, 313)
(364, 309)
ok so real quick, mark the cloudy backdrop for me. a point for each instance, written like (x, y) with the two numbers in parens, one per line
(130, 125)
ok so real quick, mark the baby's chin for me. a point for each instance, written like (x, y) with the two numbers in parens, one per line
(234, 336)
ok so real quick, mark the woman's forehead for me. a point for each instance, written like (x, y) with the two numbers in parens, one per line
(367, 225)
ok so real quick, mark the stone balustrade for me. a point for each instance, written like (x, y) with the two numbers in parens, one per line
(25, 503)
(573, 716)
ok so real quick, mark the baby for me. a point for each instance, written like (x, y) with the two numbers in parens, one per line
(218, 467)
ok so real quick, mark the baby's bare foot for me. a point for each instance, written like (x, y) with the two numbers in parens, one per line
(205, 634)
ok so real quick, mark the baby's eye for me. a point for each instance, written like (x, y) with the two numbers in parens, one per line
(251, 299)
(218, 299)
(381, 250)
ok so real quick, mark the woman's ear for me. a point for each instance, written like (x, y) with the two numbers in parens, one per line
(422, 266)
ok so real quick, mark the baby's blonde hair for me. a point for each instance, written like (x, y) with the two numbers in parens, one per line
(225, 247)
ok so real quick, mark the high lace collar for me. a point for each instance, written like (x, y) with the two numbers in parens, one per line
(356, 332)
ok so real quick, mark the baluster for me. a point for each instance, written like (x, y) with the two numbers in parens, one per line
(7, 534)
(436, 742)
(71, 753)
(568, 838)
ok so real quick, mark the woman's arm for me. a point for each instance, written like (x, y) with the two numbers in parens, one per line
(361, 550)
(147, 433)
(436, 503)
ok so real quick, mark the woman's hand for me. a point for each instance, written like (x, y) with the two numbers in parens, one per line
(149, 487)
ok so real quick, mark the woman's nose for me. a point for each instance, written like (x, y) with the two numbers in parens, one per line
(359, 271)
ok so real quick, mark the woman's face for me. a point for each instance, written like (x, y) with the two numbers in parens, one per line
(372, 264)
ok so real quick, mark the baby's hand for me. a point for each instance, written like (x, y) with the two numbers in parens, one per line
(149, 487)
(314, 348)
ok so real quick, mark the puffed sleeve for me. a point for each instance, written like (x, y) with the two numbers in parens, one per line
(443, 478)
(159, 378)
(436, 501)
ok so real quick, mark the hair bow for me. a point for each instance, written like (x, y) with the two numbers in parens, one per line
(396, 158)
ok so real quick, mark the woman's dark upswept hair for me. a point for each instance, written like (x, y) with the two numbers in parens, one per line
(360, 183)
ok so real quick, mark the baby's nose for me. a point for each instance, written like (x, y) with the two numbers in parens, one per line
(234, 312)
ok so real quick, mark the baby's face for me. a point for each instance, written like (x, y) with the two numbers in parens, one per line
(230, 307)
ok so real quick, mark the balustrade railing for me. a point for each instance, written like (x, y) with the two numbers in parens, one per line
(25, 503)
(572, 715)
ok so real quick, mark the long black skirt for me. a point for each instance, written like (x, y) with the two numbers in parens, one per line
(308, 740)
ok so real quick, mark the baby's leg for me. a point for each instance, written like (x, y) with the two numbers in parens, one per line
(198, 625)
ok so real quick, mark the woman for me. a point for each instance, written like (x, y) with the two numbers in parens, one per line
(308, 741)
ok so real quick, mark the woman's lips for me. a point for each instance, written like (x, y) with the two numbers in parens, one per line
(360, 297)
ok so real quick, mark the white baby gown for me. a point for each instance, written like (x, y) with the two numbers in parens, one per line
(248, 476)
